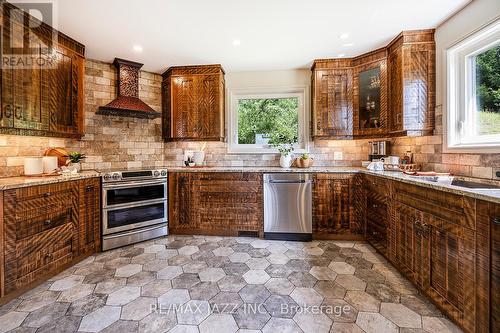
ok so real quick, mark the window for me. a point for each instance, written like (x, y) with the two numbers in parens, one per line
(260, 117)
(474, 90)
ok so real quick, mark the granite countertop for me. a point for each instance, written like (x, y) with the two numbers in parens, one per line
(17, 182)
(487, 195)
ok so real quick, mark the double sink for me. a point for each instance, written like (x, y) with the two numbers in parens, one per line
(464, 183)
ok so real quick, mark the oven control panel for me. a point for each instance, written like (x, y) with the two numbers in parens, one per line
(117, 176)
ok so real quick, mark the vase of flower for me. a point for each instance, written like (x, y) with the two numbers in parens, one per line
(286, 160)
(285, 146)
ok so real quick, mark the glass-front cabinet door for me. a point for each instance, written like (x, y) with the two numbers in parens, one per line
(370, 98)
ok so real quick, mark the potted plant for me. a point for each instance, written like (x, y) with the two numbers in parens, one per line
(74, 161)
(285, 146)
(304, 161)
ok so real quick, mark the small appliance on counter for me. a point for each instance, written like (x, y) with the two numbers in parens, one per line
(134, 207)
(378, 150)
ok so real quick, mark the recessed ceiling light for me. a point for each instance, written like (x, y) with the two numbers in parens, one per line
(344, 36)
(137, 48)
(236, 42)
(341, 55)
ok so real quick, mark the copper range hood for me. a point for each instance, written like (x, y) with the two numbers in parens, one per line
(128, 104)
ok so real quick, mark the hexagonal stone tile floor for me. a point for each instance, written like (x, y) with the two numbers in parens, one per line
(227, 284)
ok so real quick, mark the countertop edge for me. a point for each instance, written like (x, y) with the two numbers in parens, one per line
(20, 182)
(393, 175)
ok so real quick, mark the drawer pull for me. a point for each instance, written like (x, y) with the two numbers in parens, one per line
(47, 194)
(375, 206)
(47, 222)
(49, 256)
(496, 220)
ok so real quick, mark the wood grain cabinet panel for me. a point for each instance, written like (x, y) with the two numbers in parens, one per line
(451, 272)
(193, 103)
(377, 212)
(332, 100)
(40, 232)
(42, 100)
(441, 243)
(216, 203)
(494, 268)
(45, 228)
(389, 91)
(182, 202)
(411, 71)
(89, 191)
(336, 200)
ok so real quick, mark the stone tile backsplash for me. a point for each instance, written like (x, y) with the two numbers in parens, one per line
(118, 142)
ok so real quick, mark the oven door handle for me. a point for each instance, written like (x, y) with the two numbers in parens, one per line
(135, 204)
(132, 184)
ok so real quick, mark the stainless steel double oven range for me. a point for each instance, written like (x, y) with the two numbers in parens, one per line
(134, 207)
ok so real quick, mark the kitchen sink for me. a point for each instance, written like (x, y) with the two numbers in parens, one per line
(474, 185)
(468, 184)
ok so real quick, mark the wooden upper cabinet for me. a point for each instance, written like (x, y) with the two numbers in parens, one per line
(386, 92)
(45, 96)
(411, 74)
(193, 103)
(332, 99)
(370, 94)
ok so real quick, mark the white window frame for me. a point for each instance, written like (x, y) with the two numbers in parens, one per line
(461, 111)
(267, 92)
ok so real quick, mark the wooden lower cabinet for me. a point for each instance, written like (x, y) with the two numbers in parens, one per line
(337, 199)
(45, 228)
(377, 191)
(445, 258)
(494, 268)
(216, 203)
(90, 215)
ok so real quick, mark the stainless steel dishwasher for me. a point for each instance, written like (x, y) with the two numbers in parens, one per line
(288, 206)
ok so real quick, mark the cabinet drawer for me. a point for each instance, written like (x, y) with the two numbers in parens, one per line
(378, 188)
(233, 176)
(47, 219)
(30, 258)
(451, 207)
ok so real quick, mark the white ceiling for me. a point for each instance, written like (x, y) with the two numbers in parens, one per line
(274, 34)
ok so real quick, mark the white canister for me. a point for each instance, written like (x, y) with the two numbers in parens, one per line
(49, 164)
(33, 166)
(198, 157)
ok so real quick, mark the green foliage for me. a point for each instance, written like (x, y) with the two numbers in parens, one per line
(489, 123)
(276, 118)
(488, 80)
(75, 157)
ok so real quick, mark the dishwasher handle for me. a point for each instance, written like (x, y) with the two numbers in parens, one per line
(301, 181)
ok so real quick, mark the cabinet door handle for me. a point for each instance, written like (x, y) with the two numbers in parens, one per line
(496, 220)
(89, 188)
(19, 112)
(49, 256)
(47, 222)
